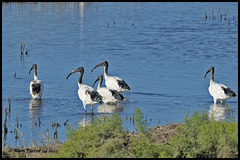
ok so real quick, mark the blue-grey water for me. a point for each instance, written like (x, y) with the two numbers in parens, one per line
(162, 50)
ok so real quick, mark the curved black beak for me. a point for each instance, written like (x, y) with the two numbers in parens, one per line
(69, 74)
(206, 74)
(30, 70)
(95, 81)
(97, 66)
(104, 63)
(80, 69)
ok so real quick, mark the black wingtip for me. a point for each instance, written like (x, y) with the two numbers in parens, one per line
(228, 92)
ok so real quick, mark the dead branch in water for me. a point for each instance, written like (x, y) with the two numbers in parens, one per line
(5, 127)
(23, 46)
(9, 105)
(20, 135)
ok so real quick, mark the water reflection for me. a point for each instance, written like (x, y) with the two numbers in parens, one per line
(35, 110)
(101, 110)
(220, 112)
(86, 122)
(109, 108)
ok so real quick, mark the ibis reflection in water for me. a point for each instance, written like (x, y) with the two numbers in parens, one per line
(112, 82)
(218, 91)
(108, 95)
(220, 112)
(36, 86)
(86, 93)
(109, 108)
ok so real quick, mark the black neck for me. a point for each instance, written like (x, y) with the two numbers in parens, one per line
(212, 75)
(106, 68)
(80, 77)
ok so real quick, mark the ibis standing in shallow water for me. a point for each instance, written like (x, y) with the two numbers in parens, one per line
(218, 91)
(36, 86)
(113, 82)
(86, 93)
(108, 95)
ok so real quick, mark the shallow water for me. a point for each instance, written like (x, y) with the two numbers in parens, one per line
(162, 50)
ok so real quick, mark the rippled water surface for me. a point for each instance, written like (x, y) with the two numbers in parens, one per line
(162, 50)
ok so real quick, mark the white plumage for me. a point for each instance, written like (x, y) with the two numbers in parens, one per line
(86, 93)
(218, 91)
(108, 95)
(36, 86)
(112, 82)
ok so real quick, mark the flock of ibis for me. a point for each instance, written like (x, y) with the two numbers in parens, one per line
(115, 85)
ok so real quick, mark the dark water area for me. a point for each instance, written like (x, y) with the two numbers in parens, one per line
(162, 50)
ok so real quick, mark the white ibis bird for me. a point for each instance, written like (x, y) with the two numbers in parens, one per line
(108, 95)
(36, 86)
(218, 91)
(113, 82)
(86, 93)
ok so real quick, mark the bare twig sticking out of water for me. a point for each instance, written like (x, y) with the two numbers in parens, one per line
(20, 134)
(39, 122)
(15, 130)
(23, 46)
(213, 16)
(43, 137)
(55, 124)
(5, 127)
(55, 136)
(27, 51)
(205, 15)
(9, 105)
(17, 120)
(65, 123)
(225, 16)
(219, 14)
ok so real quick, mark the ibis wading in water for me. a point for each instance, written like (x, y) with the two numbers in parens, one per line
(36, 86)
(113, 82)
(218, 91)
(86, 93)
(108, 95)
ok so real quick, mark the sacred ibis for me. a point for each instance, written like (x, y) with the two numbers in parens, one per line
(108, 95)
(113, 82)
(86, 93)
(36, 86)
(218, 91)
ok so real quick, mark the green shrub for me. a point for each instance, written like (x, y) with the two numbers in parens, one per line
(198, 137)
(203, 137)
(87, 141)
(140, 123)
